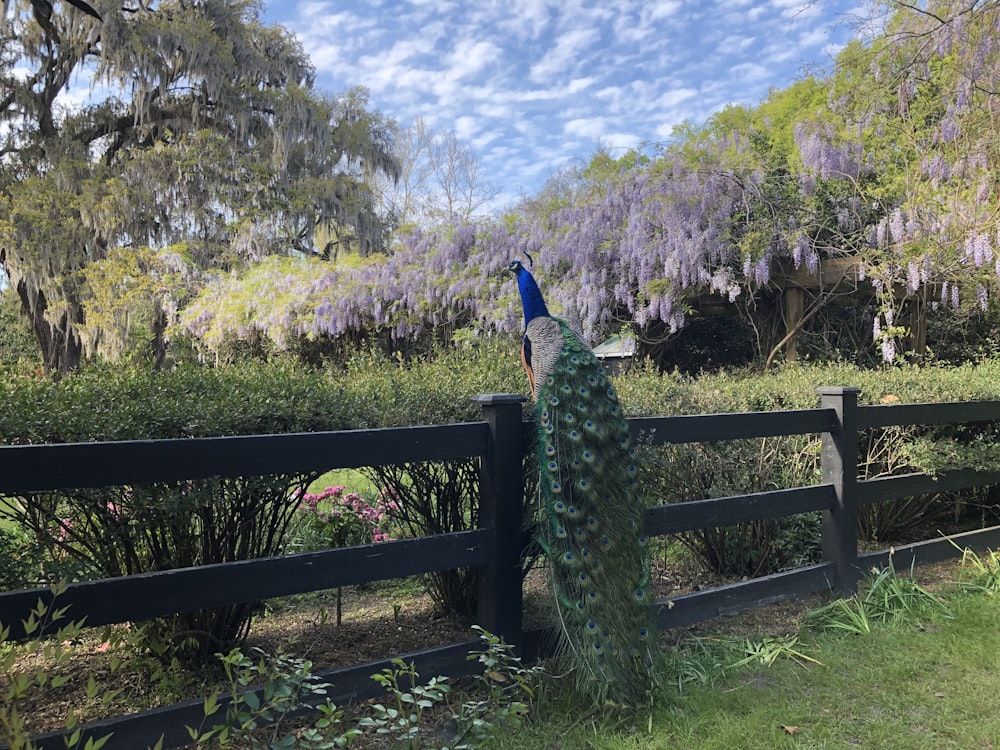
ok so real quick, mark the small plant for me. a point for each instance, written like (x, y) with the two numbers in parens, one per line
(769, 650)
(508, 689)
(402, 721)
(887, 601)
(980, 573)
(333, 518)
(288, 685)
(18, 686)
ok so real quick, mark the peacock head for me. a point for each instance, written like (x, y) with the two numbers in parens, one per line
(531, 296)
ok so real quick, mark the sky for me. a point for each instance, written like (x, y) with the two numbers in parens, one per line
(536, 85)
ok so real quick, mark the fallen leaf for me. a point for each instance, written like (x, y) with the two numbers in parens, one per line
(789, 729)
(939, 694)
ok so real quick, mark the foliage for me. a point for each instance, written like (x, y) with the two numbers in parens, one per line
(980, 572)
(888, 161)
(507, 690)
(18, 349)
(401, 721)
(17, 568)
(201, 147)
(333, 519)
(888, 600)
(688, 472)
(258, 716)
(266, 691)
(51, 637)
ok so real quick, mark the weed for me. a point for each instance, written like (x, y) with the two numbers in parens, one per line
(402, 721)
(888, 600)
(288, 686)
(17, 686)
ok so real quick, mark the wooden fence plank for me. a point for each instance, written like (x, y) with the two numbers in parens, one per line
(687, 609)
(725, 511)
(712, 427)
(38, 468)
(932, 550)
(928, 414)
(350, 685)
(141, 597)
(908, 485)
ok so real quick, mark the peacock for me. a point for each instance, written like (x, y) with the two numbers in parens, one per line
(591, 513)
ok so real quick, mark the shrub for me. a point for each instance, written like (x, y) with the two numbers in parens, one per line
(688, 472)
(124, 530)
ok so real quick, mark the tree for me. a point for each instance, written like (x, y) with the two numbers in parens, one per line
(202, 139)
(441, 180)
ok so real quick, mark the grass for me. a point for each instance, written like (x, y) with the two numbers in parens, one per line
(930, 682)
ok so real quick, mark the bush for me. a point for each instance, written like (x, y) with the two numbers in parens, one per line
(124, 530)
(688, 472)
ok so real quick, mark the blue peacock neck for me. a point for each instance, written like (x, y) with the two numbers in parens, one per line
(531, 296)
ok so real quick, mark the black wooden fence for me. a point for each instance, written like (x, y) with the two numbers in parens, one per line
(501, 439)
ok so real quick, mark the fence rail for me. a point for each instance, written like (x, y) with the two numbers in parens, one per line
(500, 440)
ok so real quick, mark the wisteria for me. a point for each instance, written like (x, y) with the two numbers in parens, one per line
(906, 183)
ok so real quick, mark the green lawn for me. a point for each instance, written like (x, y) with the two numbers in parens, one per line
(934, 687)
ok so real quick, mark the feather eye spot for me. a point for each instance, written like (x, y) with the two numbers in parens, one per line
(593, 596)
(643, 633)
(559, 507)
(560, 532)
(554, 400)
(591, 626)
(582, 407)
(549, 428)
(575, 359)
(568, 558)
(550, 380)
(574, 435)
(553, 466)
(579, 533)
(640, 595)
(583, 483)
(606, 542)
(572, 512)
(556, 488)
(590, 426)
(550, 450)
(598, 648)
(570, 370)
(584, 578)
(569, 418)
(592, 523)
(582, 390)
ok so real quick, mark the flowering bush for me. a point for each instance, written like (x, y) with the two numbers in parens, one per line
(333, 518)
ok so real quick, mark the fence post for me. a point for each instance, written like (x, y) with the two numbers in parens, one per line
(840, 468)
(500, 503)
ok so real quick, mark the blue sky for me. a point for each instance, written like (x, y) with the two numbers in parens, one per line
(535, 84)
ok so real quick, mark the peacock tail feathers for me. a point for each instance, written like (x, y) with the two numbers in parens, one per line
(590, 509)
(591, 522)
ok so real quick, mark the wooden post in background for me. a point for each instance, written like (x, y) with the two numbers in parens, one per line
(793, 314)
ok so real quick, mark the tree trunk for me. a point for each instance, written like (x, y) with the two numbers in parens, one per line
(60, 346)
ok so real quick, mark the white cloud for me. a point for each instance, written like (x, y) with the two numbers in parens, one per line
(539, 83)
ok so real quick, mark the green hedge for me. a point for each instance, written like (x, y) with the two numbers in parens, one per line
(114, 403)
